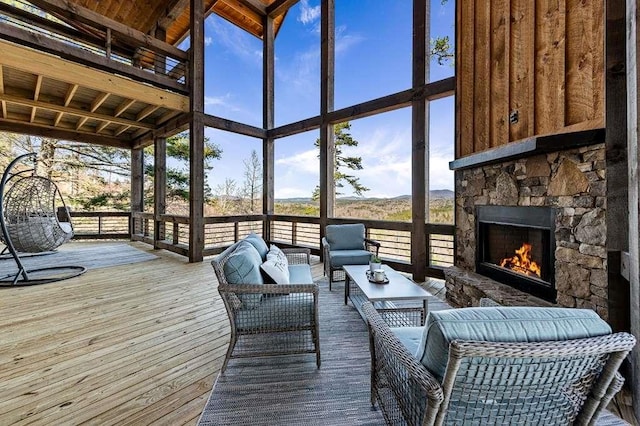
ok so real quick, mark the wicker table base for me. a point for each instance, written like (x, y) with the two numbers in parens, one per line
(359, 289)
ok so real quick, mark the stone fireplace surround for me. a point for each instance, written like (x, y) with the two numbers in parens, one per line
(573, 182)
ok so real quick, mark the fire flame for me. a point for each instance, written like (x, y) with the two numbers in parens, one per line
(522, 262)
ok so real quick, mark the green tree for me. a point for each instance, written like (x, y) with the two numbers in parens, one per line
(344, 139)
(178, 176)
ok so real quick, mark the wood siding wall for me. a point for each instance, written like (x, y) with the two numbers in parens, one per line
(543, 59)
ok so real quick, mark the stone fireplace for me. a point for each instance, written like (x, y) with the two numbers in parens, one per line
(564, 187)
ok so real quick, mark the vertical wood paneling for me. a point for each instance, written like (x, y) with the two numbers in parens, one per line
(521, 77)
(549, 77)
(482, 75)
(467, 19)
(543, 59)
(579, 57)
(499, 117)
(599, 67)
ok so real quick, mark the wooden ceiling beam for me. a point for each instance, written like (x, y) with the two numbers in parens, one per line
(72, 111)
(100, 127)
(175, 8)
(72, 11)
(99, 100)
(123, 107)
(81, 122)
(71, 91)
(279, 7)
(63, 70)
(36, 94)
(121, 130)
(1, 80)
(38, 129)
(146, 112)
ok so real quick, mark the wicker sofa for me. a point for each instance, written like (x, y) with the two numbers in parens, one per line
(268, 319)
(496, 365)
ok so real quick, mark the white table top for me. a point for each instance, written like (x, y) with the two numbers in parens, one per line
(398, 288)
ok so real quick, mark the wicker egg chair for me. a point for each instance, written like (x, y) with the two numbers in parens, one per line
(29, 221)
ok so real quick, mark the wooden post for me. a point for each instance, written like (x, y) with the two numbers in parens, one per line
(137, 184)
(268, 121)
(633, 123)
(327, 142)
(160, 188)
(160, 159)
(108, 44)
(420, 144)
(196, 133)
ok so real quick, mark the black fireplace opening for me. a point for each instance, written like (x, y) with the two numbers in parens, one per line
(516, 246)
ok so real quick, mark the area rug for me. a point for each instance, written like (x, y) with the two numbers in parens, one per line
(91, 255)
(291, 390)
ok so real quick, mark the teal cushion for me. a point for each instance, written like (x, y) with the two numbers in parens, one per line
(345, 237)
(502, 324)
(257, 241)
(349, 257)
(243, 267)
(300, 274)
(410, 337)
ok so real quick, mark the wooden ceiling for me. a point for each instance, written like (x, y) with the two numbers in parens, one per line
(47, 90)
(173, 15)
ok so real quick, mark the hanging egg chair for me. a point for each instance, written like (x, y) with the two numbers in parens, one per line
(34, 219)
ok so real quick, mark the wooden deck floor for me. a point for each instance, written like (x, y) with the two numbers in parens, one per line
(129, 345)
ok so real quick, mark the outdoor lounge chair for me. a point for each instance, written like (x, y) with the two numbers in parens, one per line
(496, 365)
(346, 245)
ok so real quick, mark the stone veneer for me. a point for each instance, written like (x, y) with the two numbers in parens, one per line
(571, 181)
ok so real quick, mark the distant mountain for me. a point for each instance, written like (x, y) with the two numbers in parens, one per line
(437, 193)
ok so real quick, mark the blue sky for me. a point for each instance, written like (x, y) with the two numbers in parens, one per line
(373, 59)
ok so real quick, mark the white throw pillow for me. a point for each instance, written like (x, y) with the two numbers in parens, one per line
(276, 266)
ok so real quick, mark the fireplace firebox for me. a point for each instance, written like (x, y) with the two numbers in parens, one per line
(516, 246)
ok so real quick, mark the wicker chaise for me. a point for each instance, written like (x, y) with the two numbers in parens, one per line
(545, 383)
(284, 321)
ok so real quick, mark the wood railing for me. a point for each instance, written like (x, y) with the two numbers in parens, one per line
(295, 231)
(101, 225)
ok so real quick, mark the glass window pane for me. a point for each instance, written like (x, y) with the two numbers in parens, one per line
(441, 152)
(233, 72)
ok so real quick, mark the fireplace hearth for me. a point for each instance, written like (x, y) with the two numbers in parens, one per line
(515, 246)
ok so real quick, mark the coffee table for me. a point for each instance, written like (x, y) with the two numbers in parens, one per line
(359, 289)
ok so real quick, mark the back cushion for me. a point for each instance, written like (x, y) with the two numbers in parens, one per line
(502, 324)
(257, 241)
(243, 267)
(345, 237)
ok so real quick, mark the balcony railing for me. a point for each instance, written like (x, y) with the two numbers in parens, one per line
(101, 225)
(300, 231)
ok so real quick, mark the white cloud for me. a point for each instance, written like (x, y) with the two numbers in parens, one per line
(237, 41)
(208, 41)
(308, 14)
(345, 41)
(302, 162)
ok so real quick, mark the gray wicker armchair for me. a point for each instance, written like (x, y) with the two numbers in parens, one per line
(346, 245)
(545, 383)
(284, 322)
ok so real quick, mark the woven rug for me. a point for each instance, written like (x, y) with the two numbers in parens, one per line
(91, 255)
(291, 390)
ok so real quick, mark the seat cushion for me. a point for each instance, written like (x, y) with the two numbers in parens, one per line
(243, 267)
(502, 324)
(300, 274)
(345, 237)
(259, 244)
(349, 257)
(410, 337)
